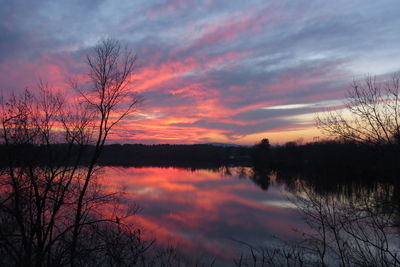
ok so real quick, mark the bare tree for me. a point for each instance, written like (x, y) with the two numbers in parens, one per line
(343, 230)
(110, 71)
(36, 178)
(371, 114)
(50, 202)
(350, 232)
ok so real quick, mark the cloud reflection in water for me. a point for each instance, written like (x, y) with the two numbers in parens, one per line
(203, 211)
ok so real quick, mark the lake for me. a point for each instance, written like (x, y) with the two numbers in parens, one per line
(221, 216)
(207, 213)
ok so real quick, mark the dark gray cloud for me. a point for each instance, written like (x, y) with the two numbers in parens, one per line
(235, 129)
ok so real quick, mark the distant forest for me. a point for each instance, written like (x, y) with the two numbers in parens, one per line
(319, 156)
(328, 158)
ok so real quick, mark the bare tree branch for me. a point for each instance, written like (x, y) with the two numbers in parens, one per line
(372, 113)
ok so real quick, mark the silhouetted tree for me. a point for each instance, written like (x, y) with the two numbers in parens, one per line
(373, 113)
(265, 144)
(111, 98)
(343, 230)
(50, 203)
(261, 152)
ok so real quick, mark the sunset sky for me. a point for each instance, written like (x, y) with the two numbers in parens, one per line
(210, 71)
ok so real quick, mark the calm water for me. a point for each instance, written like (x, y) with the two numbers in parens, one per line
(205, 212)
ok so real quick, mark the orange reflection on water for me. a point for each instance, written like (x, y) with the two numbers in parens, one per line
(203, 211)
